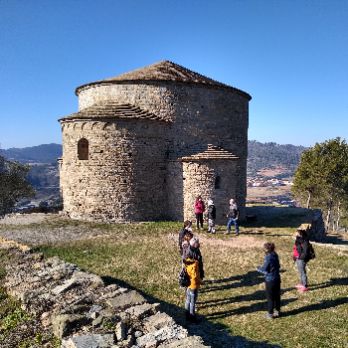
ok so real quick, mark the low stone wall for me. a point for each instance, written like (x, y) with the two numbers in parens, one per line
(83, 312)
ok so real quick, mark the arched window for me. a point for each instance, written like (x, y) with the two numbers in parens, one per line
(82, 149)
(217, 184)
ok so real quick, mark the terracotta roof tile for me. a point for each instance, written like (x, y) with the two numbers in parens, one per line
(113, 110)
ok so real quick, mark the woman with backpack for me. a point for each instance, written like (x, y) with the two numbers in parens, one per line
(301, 255)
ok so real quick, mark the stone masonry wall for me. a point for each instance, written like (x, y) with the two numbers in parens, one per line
(199, 114)
(123, 178)
(83, 312)
(200, 180)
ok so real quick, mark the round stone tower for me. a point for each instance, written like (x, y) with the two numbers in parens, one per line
(145, 143)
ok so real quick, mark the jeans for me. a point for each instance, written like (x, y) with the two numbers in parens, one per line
(230, 222)
(273, 296)
(191, 298)
(199, 218)
(301, 266)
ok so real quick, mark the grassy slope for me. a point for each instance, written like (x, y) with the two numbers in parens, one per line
(145, 256)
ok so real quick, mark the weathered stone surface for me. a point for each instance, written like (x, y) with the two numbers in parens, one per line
(90, 341)
(121, 331)
(142, 311)
(157, 321)
(73, 307)
(167, 333)
(193, 341)
(65, 324)
(126, 300)
(135, 164)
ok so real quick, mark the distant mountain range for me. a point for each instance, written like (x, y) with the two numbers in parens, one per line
(261, 155)
(46, 153)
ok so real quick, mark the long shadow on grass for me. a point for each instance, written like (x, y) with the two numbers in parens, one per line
(255, 307)
(331, 282)
(325, 304)
(213, 334)
(249, 279)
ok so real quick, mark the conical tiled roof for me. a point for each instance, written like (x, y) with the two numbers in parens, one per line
(212, 152)
(113, 110)
(163, 71)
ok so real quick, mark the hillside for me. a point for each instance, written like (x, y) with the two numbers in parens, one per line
(45, 153)
(272, 155)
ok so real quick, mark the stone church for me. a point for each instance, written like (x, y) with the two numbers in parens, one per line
(144, 144)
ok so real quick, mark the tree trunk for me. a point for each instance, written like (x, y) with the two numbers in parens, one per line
(308, 200)
(328, 216)
(338, 216)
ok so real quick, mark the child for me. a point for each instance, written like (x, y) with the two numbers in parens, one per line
(270, 269)
(211, 216)
(193, 262)
(184, 230)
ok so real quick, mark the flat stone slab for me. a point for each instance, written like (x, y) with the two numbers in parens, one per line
(157, 321)
(193, 341)
(126, 300)
(172, 332)
(141, 311)
(90, 341)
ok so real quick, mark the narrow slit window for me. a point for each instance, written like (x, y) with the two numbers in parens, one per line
(217, 184)
(82, 149)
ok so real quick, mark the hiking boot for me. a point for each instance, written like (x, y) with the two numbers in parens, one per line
(303, 289)
(193, 319)
(187, 315)
(227, 232)
(269, 316)
(298, 286)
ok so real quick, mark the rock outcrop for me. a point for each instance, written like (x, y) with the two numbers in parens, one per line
(83, 312)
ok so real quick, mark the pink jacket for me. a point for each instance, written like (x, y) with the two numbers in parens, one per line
(199, 207)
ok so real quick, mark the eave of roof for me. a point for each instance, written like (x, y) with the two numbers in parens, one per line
(164, 71)
(112, 110)
(211, 153)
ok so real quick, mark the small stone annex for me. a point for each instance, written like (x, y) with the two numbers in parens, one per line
(144, 144)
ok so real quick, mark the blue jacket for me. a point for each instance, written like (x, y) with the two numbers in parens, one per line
(270, 267)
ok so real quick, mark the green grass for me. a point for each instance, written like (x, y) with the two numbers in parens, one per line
(232, 300)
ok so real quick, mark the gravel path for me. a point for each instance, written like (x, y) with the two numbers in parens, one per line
(38, 229)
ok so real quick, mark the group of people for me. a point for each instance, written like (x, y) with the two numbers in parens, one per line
(232, 215)
(193, 265)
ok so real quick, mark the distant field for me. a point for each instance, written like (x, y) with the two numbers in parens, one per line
(268, 194)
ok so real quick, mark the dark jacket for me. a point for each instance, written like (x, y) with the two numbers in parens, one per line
(270, 267)
(211, 212)
(302, 248)
(195, 254)
(181, 238)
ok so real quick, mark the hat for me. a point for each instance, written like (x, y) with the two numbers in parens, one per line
(210, 202)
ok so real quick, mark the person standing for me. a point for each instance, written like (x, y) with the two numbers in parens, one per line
(211, 216)
(199, 210)
(270, 269)
(193, 263)
(183, 231)
(300, 256)
(233, 216)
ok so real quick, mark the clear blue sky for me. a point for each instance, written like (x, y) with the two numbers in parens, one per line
(290, 55)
